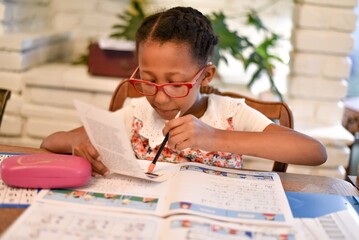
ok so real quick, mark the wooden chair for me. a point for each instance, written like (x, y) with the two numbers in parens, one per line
(4, 97)
(278, 112)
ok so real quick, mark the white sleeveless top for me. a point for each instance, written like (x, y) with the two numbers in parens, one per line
(145, 126)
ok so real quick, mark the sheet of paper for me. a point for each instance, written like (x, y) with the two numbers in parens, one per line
(341, 225)
(107, 133)
(14, 197)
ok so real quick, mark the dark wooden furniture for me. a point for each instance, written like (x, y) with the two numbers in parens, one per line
(4, 97)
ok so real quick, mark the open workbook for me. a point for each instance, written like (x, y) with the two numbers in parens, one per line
(47, 221)
(227, 195)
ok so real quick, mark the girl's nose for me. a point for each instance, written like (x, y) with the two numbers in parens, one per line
(161, 97)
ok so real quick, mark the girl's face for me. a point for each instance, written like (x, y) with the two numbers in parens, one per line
(171, 63)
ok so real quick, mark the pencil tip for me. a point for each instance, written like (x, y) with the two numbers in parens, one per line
(151, 167)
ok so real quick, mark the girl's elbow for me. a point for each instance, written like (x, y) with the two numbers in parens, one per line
(47, 145)
(43, 144)
(320, 153)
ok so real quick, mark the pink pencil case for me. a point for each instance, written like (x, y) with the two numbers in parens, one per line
(45, 170)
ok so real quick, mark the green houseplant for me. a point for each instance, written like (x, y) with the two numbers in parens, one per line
(240, 47)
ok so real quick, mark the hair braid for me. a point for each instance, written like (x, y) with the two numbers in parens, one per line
(183, 25)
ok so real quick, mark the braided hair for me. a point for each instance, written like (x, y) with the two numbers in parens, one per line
(182, 25)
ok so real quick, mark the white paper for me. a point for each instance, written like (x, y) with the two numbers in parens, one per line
(342, 225)
(107, 133)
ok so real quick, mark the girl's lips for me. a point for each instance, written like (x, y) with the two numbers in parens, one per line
(167, 113)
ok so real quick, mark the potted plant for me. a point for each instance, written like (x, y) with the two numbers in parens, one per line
(117, 62)
(246, 51)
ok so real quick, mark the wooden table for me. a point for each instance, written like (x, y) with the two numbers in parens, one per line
(291, 182)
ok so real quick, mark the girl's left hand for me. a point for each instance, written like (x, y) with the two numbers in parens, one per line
(188, 131)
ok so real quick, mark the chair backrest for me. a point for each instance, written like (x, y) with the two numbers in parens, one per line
(278, 112)
(4, 97)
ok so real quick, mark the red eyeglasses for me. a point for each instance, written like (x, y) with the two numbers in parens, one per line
(174, 90)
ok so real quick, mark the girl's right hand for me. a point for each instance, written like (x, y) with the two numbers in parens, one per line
(190, 132)
(86, 150)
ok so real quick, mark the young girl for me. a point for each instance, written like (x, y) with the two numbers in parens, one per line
(174, 50)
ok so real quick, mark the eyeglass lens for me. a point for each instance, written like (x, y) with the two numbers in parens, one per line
(171, 90)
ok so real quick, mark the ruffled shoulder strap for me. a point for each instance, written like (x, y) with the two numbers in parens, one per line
(219, 109)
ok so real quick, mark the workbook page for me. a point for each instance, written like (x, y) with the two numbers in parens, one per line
(224, 194)
(197, 189)
(47, 221)
(117, 193)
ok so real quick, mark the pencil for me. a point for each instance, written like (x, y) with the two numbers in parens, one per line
(154, 161)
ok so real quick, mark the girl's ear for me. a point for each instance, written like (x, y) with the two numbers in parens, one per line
(208, 74)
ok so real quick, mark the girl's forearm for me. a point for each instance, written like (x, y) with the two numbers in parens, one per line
(285, 146)
(57, 142)
(62, 141)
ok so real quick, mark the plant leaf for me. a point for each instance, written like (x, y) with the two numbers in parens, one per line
(229, 40)
(255, 76)
(254, 20)
(133, 18)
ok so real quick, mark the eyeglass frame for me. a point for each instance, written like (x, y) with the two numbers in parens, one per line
(189, 85)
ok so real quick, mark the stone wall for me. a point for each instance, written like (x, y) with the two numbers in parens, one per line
(320, 68)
